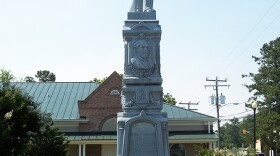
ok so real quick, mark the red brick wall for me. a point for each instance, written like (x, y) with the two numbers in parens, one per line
(100, 105)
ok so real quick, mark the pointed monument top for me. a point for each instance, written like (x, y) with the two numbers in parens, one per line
(142, 6)
(142, 10)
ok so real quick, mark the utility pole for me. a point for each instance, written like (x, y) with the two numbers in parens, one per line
(189, 103)
(215, 87)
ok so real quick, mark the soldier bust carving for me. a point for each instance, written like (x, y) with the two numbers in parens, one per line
(142, 59)
(142, 6)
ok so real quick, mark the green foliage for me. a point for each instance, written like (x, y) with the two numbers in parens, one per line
(29, 79)
(96, 80)
(48, 140)
(168, 98)
(24, 129)
(248, 125)
(268, 129)
(204, 151)
(266, 83)
(5, 75)
(236, 152)
(231, 134)
(45, 76)
(266, 86)
(18, 120)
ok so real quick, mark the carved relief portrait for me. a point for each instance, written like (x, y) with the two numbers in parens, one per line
(142, 57)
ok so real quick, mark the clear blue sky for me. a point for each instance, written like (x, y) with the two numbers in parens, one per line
(82, 39)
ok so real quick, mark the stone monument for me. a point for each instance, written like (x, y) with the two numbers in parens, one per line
(142, 127)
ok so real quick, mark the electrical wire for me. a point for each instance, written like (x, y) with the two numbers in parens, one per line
(228, 104)
(235, 114)
(247, 114)
(242, 40)
(246, 49)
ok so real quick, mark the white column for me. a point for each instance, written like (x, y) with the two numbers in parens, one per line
(271, 152)
(210, 145)
(214, 145)
(84, 149)
(80, 148)
(209, 127)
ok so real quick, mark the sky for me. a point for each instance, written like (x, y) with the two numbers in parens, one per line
(79, 40)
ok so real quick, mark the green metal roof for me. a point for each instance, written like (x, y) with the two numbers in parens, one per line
(61, 99)
(193, 136)
(175, 112)
(58, 98)
(87, 136)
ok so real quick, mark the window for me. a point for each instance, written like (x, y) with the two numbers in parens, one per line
(177, 150)
(110, 125)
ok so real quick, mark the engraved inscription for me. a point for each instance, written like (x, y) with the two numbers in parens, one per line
(143, 140)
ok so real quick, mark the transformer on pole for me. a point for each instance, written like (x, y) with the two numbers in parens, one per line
(215, 87)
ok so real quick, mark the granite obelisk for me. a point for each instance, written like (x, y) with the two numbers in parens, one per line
(142, 127)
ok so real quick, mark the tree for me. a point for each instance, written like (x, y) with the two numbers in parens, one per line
(247, 125)
(268, 129)
(266, 88)
(5, 75)
(96, 80)
(231, 134)
(168, 98)
(16, 123)
(45, 76)
(29, 79)
(48, 140)
(24, 129)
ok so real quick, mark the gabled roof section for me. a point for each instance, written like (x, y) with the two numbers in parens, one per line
(58, 98)
(109, 79)
(174, 112)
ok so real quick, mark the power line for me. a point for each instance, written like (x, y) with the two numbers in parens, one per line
(236, 117)
(227, 104)
(210, 111)
(235, 114)
(240, 54)
(264, 109)
(243, 39)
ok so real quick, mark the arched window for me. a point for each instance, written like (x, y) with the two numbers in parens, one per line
(110, 125)
(177, 150)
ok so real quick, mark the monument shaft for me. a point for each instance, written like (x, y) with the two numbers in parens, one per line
(142, 127)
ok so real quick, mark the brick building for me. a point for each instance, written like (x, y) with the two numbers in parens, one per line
(87, 112)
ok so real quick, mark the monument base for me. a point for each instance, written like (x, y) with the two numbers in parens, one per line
(142, 135)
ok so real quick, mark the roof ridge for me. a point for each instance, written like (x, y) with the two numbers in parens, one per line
(101, 85)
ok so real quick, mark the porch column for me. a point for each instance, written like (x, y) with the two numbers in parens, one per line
(84, 149)
(209, 127)
(210, 145)
(80, 150)
(214, 145)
